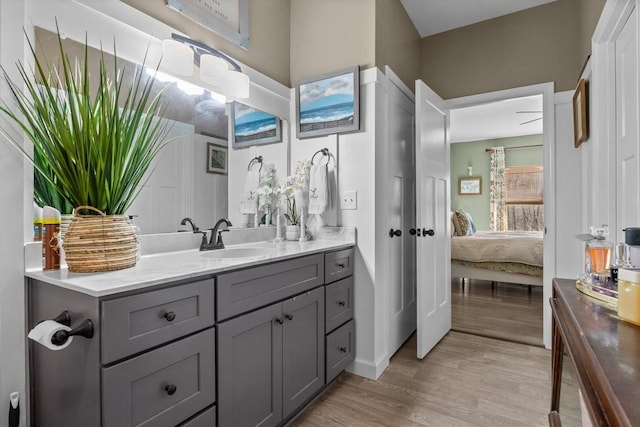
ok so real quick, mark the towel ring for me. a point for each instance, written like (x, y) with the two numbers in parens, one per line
(325, 152)
(253, 161)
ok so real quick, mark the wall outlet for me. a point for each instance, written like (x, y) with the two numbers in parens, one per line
(348, 200)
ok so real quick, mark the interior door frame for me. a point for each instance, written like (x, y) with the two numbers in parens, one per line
(548, 140)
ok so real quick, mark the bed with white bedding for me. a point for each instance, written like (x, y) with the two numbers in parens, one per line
(505, 256)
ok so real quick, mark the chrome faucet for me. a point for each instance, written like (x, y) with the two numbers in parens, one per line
(184, 221)
(215, 234)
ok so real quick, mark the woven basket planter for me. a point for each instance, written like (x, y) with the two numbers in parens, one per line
(95, 243)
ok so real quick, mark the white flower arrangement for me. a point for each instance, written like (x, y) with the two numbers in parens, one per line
(296, 183)
(267, 189)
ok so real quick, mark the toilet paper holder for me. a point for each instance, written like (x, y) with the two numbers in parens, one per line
(85, 329)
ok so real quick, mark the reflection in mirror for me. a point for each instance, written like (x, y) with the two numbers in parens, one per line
(177, 184)
(251, 126)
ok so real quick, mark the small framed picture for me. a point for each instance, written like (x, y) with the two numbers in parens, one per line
(217, 161)
(580, 116)
(471, 186)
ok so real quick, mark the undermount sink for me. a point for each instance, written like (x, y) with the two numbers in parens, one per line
(239, 253)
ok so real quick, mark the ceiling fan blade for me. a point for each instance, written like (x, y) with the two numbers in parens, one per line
(529, 121)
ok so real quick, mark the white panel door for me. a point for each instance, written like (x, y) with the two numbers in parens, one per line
(627, 147)
(432, 219)
(401, 249)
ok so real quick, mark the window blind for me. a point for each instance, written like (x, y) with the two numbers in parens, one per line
(524, 184)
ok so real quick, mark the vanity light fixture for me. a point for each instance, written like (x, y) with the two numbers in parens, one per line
(216, 69)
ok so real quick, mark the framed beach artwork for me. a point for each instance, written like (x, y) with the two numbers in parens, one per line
(251, 126)
(217, 160)
(328, 104)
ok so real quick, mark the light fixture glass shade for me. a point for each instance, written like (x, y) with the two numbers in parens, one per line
(215, 71)
(177, 58)
(212, 68)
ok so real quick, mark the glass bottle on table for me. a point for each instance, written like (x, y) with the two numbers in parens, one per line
(599, 251)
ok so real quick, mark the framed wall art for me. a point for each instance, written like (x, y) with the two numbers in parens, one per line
(470, 186)
(328, 104)
(580, 114)
(229, 18)
(217, 160)
(251, 126)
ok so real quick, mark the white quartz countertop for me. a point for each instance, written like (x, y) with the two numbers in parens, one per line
(167, 267)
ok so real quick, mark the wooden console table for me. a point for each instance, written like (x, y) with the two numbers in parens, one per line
(604, 353)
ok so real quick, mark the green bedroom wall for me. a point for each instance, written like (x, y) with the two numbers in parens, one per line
(473, 154)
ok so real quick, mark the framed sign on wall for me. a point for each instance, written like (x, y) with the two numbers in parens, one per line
(229, 18)
(470, 186)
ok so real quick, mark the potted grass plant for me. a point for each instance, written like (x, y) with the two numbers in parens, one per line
(94, 138)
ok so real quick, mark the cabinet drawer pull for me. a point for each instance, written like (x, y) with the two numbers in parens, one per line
(280, 320)
(343, 349)
(170, 389)
(341, 264)
(169, 316)
(342, 303)
(288, 316)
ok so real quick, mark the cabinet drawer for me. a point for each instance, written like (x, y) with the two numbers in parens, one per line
(338, 303)
(205, 419)
(162, 387)
(138, 322)
(241, 291)
(338, 265)
(340, 350)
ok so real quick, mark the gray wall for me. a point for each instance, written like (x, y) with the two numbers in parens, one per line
(473, 153)
(329, 35)
(268, 33)
(397, 41)
(537, 45)
(290, 41)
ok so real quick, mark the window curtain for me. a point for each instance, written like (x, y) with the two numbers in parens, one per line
(497, 191)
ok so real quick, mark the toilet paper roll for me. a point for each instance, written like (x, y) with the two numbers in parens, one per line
(44, 331)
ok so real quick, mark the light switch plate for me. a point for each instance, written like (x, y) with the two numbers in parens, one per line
(348, 200)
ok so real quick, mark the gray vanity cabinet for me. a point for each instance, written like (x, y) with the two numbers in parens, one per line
(245, 347)
(271, 361)
(340, 326)
(151, 360)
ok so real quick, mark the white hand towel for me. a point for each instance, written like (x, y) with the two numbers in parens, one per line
(319, 194)
(249, 200)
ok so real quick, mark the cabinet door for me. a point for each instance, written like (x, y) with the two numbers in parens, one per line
(250, 369)
(162, 387)
(302, 348)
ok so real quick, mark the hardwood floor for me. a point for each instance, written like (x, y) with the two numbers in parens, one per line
(466, 380)
(504, 310)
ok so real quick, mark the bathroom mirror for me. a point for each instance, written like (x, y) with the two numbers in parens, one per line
(179, 185)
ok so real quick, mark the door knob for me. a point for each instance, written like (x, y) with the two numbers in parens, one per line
(429, 232)
(412, 231)
(393, 232)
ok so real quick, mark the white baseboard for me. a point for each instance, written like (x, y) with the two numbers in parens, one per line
(368, 369)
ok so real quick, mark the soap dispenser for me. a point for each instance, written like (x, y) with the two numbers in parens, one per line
(598, 252)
